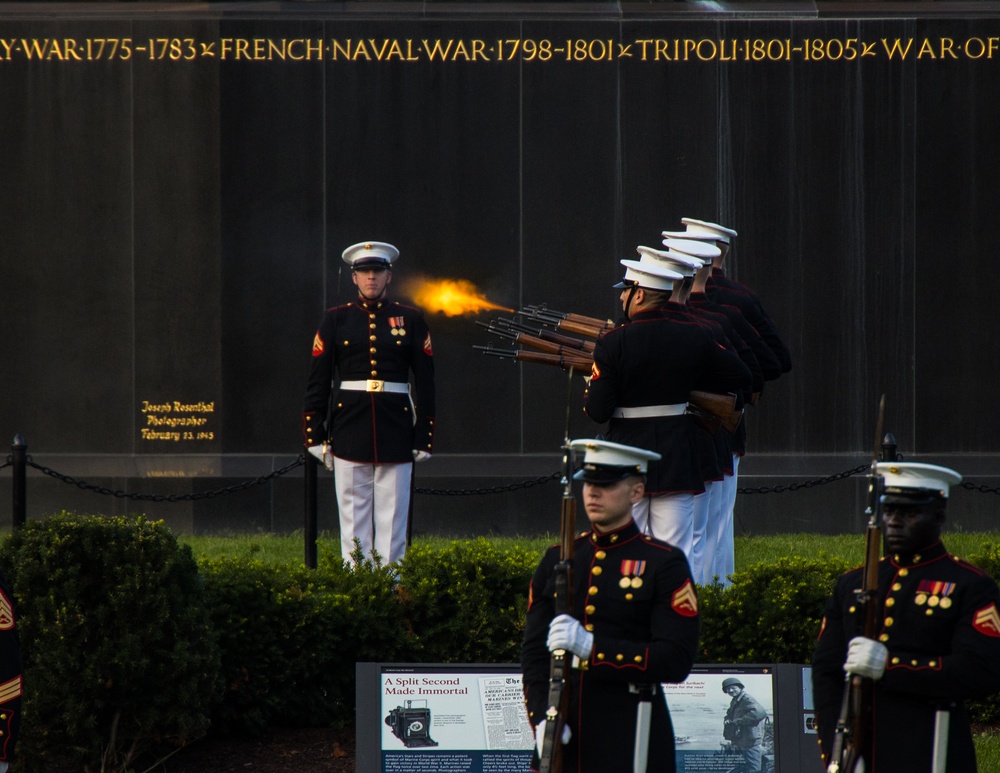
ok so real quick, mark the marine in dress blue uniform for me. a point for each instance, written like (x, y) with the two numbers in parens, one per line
(372, 425)
(756, 328)
(938, 642)
(725, 290)
(642, 376)
(634, 623)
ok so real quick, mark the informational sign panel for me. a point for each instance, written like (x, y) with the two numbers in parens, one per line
(418, 718)
(454, 719)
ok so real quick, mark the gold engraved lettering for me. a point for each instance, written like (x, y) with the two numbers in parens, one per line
(435, 51)
(389, 50)
(896, 48)
(977, 48)
(177, 421)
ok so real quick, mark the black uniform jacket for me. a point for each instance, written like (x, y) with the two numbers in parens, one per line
(939, 618)
(381, 340)
(722, 289)
(636, 595)
(10, 675)
(653, 360)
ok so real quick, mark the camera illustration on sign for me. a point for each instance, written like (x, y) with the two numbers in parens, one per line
(411, 725)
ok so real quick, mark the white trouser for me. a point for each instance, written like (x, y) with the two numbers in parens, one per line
(724, 563)
(669, 517)
(700, 556)
(374, 503)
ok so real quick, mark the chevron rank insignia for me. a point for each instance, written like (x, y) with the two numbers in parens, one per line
(987, 621)
(685, 600)
(6, 613)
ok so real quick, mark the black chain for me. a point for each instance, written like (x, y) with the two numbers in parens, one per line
(520, 485)
(805, 484)
(463, 492)
(167, 497)
(981, 488)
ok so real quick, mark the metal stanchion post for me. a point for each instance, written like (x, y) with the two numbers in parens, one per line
(19, 459)
(310, 477)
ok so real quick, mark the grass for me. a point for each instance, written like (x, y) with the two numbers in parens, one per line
(290, 549)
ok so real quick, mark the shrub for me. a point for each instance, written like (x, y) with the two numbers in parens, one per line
(467, 602)
(770, 614)
(290, 638)
(118, 652)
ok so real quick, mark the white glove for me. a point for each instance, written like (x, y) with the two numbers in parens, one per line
(566, 633)
(321, 452)
(866, 657)
(420, 456)
(540, 736)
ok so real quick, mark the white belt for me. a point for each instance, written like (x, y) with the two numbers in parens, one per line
(375, 385)
(649, 411)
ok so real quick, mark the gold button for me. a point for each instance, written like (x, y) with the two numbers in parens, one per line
(890, 602)
(372, 350)
(903, 572)
(374, 363)
(628, 596)
(932, 664)
(851, 610)
(600, 555)
(592, 590)
(895, 661)
(346, 343)
(596, 570)
(590, 609)
(913, 663)
(897, 586)
(371, 338)
(371, 326)
(888, 622)
(589, 626)
(600, 656)
(619, 657)
(371, 316)
(928, 612)
(374, 372)
(884, 637)
(638, 658)
(614, 537)
(916, 558)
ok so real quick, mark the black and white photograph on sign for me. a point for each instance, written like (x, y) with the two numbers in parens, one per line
(723, 720)
(459, 722)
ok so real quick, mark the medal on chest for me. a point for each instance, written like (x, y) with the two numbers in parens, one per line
(397, 326)
(934, 594)
(632, 574)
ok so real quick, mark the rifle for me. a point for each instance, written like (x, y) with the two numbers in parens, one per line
(546, 358)
(573, 323)
(548, 335)
(537, 342)
(712, 410)
(551, 758)
(852, 742)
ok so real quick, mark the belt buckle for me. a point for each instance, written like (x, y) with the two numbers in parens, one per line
(374, 385)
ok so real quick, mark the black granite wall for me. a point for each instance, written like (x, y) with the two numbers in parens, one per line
(178, 183)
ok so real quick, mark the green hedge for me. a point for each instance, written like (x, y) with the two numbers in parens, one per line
(131, 648)
(118, 648)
